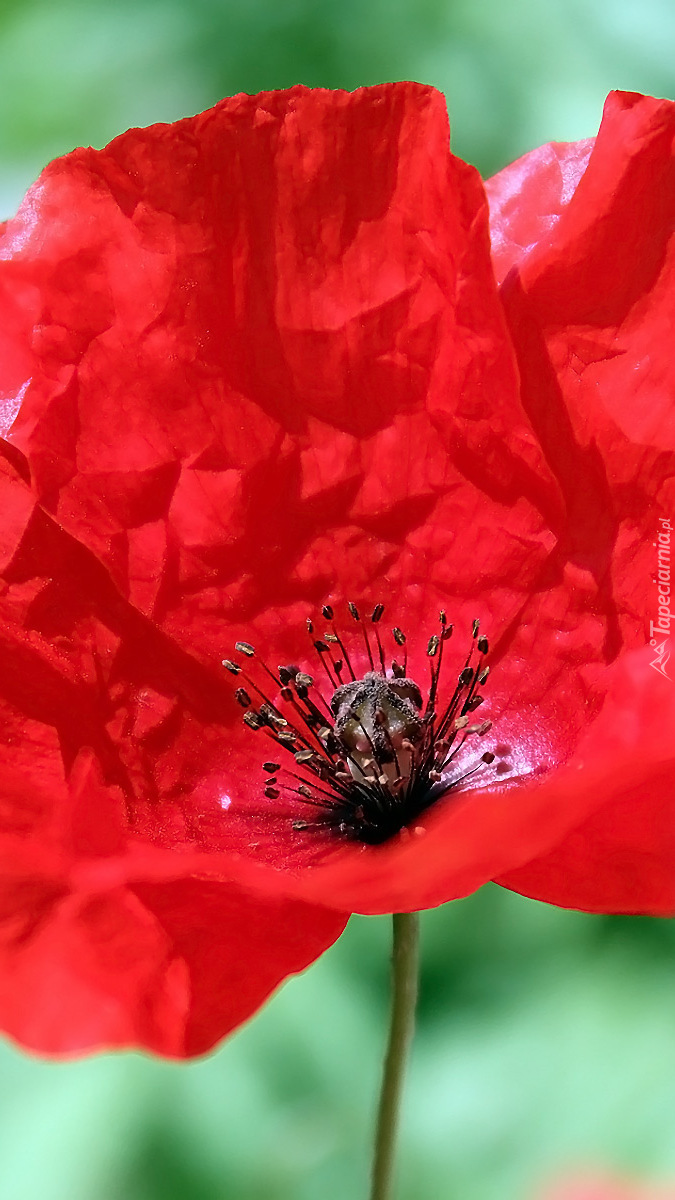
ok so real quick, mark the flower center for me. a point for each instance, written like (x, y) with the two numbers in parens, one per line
(373, 756)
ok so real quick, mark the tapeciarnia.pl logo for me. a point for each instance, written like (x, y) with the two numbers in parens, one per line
(659, 630)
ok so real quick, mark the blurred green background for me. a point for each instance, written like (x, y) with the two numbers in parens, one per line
(546, 1039)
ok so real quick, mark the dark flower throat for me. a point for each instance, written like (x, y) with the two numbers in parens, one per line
(367, 761)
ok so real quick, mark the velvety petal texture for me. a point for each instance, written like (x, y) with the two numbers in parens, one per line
(263, 360)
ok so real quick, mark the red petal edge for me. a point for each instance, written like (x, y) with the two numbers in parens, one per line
(168, 966)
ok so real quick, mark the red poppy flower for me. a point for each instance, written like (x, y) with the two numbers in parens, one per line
(256, 368)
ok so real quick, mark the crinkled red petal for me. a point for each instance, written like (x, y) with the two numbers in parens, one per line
(167, 965)
(622, 857)
(589, 260)
(528, 198)
(584, 241)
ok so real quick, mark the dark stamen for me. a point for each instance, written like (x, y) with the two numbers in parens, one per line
(375, 618)
(373, 754)
(322, 649)
(355, 614)
(343, 652)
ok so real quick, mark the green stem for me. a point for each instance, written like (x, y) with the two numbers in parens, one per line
(405, 964)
